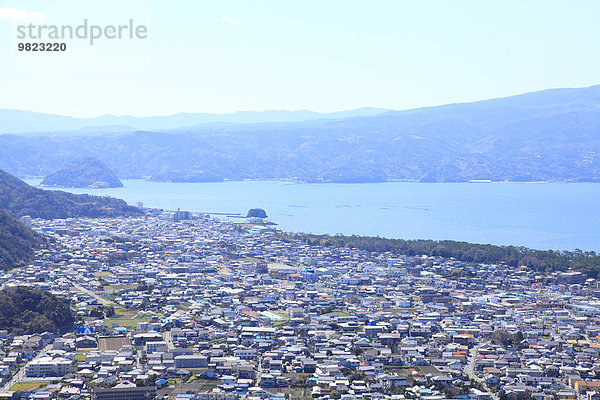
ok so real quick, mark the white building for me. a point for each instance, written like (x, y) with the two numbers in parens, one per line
(245, 354)
(156, 347)
(48, 366)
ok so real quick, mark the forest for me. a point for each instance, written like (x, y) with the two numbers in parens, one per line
(25, 310)
(17, 242)
(20, 199)
(547, 261)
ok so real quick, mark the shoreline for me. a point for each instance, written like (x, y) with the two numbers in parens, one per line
(283, 231)
(284, 181)
(547, 216)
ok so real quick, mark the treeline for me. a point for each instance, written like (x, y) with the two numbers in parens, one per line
(25, 310)
(20, 199)
(539, 260)
(17, 242)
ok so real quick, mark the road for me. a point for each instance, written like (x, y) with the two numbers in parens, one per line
(95, 295)
(470, 370)
(470, 367)
(168, 336)
(18, 377)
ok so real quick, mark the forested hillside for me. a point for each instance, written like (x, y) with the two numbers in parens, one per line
(21, 199)
(17, 242)
(27, 310)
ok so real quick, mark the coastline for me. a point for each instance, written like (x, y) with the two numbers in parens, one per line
(30, 179)
(549, 216)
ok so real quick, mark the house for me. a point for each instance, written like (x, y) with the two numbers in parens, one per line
(86, 342)
(125, 391)
(480, 395)
(309, 366)
(187, 361)
(492, 380)
(156, 347)
(392, 380)
(593, 396)
(245, 354)
(582, 387)
(228, 380)
(443, 379)
(267, 380)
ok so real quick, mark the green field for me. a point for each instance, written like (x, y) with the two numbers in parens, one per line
(124, 317)
(282, 315)
(125, 322)
(26, 386)
(113, 289)
(428, 369)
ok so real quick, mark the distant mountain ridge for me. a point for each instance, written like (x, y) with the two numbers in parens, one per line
(87, 172)
(552, 135)
(22, 121)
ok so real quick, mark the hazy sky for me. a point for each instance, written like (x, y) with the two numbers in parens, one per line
(324, 55)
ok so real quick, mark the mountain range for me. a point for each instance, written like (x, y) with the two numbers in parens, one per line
(552, 135)
(34, 123)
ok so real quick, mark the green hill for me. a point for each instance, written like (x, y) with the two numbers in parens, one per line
(85, 172)
(27, 310)
(20, 199)
(17, 242)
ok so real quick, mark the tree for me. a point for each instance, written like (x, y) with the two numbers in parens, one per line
(27, 310)
(109, 311)
(500, 337)
(356, 351)
(17, 242)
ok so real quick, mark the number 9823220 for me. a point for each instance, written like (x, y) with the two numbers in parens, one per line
(42, 46)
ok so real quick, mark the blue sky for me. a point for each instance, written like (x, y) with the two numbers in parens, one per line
(326, 55)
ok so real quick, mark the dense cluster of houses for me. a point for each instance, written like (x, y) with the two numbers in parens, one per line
(203, 308)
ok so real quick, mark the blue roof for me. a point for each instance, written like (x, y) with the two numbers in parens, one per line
(85, 330)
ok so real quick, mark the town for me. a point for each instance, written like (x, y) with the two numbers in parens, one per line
(174, 305)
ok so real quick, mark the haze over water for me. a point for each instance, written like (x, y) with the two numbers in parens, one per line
(544, 216)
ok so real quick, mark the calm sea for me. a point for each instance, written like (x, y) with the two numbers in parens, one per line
(544, 215)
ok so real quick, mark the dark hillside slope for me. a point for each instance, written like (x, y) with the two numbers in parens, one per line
(17, 242)
(20, 199)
